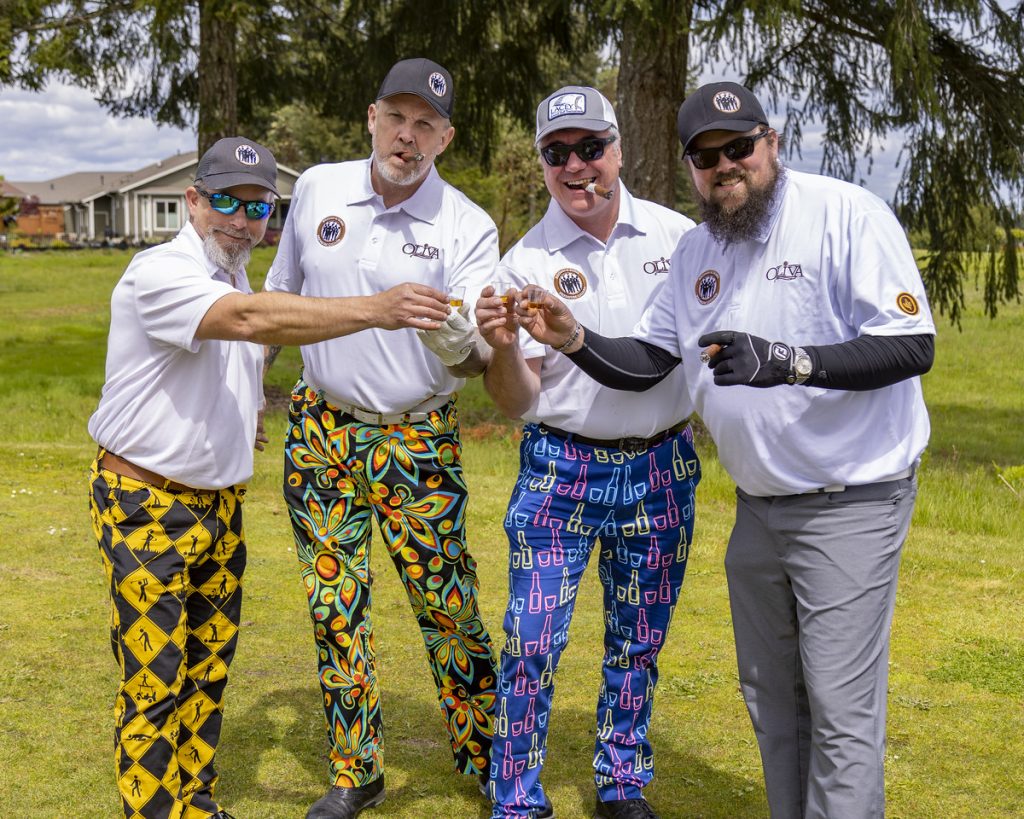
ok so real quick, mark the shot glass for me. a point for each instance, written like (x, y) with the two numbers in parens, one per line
(501, 288)
(455, 295)
(534, 296)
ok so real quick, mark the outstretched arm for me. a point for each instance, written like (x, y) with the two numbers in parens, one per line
(275, 318)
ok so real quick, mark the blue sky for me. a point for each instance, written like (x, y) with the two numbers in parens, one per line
(63, 130)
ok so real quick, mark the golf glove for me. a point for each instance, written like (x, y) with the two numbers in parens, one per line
(454, 340)
(747, 359)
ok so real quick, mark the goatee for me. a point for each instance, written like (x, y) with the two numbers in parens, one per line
(231, 259)
(749, 220)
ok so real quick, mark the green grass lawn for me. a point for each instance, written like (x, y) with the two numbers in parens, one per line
(956, 715)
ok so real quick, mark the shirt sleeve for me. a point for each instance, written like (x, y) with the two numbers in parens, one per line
(285, 272)
(172, 294)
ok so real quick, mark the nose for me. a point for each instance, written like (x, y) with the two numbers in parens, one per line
(238, 219)
(574, 164)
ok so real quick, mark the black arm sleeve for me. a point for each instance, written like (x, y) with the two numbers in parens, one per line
(622, 363)
(870, 362)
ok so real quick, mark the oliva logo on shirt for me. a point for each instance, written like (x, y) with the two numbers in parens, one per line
(423, 251)
(784, 272)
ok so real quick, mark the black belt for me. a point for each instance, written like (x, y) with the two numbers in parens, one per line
(630, 445)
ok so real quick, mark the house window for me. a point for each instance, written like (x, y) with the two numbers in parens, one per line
(167, 217)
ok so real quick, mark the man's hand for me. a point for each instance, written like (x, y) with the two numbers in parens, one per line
(550, 323)
(409, 305)
(261, 436)
(496, 320)
(747, 359)
(453, 341)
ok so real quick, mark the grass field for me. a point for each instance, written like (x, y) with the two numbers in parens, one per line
(956, 719)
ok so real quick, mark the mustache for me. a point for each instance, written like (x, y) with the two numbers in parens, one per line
(234, 234)
(729, 176)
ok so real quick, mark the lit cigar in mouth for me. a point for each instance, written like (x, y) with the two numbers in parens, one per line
(710, 352)
(417, 157)
(599, 190)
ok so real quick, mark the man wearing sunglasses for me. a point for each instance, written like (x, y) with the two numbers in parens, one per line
(596, 465)
(176, 425)
(374, 430)
(807, 299)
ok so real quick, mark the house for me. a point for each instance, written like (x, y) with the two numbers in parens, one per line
(142, 206)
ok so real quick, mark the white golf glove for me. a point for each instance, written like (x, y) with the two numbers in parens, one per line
(454, 340)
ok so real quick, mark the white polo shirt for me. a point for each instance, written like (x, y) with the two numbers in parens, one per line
(833, 264)
(182, 408)
(607, 285)
(340, 240)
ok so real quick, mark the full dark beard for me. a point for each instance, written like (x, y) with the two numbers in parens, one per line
(750, 219)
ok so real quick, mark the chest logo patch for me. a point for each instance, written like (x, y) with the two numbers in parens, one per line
(708, 286)
(330, 231)
(784, 272)
(570, 283)
(423, 251)
(908, 304)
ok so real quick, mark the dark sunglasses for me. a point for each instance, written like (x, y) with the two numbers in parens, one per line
(589, 149)
(704, 158)
(223, 203)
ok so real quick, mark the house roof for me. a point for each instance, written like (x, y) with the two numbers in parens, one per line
(85, 186)
(8, 189)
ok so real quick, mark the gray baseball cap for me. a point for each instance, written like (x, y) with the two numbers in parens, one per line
(574, 106)
(718, 106)
(424, 78)
(237, 161)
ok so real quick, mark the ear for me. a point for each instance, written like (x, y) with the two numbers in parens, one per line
(371, 118)
(192, 199)
(446, 139)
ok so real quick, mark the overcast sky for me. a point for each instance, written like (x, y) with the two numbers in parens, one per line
(63, 130)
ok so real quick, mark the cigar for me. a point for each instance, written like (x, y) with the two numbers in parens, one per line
(417, 157)
(599, 190)
(710, 352)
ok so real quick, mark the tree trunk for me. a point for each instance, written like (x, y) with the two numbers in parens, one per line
(651, 86)
(218, 75)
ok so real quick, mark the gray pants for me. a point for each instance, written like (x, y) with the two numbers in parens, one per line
(812, 587)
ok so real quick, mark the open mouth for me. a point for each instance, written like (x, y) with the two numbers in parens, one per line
(580, 184)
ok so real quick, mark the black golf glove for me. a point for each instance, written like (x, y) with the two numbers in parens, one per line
(750, 360)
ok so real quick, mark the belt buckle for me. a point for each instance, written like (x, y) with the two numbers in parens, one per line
(631, 446)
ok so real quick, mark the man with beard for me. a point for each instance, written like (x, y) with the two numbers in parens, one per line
(374, 430)
(176, 425)
(822, 432)
(601, 470)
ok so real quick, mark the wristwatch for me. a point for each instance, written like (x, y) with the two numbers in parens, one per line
(802, 366)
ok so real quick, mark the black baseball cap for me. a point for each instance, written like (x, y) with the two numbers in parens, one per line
(718, 106)
(424, 78)
(237, 161)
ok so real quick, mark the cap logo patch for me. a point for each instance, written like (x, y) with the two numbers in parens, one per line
(247, 155)
(330, 231)
(567, 104)
(708, 286)
(437, 84)
(726, 102)
(570, 283)
(908, 304)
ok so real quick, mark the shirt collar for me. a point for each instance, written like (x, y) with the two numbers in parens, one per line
(194, 247)
(560, 231)
(424, 204)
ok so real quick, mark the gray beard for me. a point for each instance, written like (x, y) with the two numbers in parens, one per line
(750, 219)
(231, 261)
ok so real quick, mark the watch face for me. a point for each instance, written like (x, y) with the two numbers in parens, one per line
(803, 365)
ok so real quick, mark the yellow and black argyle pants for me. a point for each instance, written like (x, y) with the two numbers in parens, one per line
(340, 476)
(174, 563)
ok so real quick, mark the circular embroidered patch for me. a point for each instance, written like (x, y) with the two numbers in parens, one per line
(726, 102)
(330, 231)
(908, 304)
(708, 285)
(247, 155)
(570, 283)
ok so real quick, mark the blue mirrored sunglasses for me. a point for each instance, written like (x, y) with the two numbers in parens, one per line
(226, 204)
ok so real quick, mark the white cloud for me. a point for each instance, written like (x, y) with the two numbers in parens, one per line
(63, 130)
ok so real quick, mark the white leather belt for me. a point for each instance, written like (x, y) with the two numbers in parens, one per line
(369, 416)
(838, 487)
